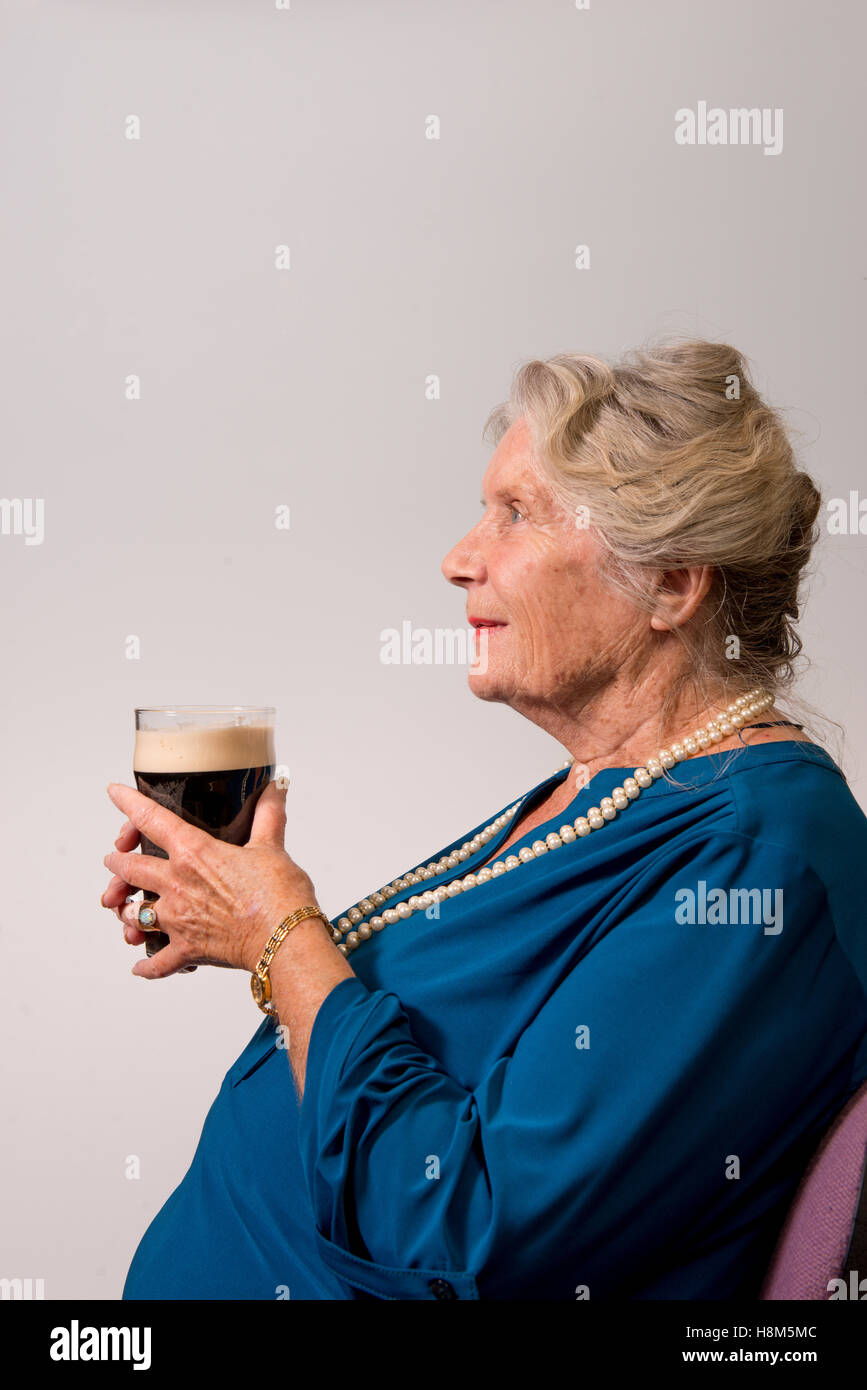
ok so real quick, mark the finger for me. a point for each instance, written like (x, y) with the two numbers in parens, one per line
(132, 935)
(269, 820)
(117, 892)
(132, 932)
(128, 837)
(168, 961)
(129, 916)
(161, 826)
(140, 870)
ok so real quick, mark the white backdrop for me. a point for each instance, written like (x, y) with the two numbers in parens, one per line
(172, 378)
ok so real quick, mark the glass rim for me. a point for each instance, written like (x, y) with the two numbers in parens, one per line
(205, 709)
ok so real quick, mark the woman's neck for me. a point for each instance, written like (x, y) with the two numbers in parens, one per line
(602, 736)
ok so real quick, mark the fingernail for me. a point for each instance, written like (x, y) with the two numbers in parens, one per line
(101, 896)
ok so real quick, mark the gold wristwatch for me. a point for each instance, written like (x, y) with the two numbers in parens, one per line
(260, 980)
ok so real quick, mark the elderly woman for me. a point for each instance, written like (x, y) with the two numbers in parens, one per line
(585, 1049)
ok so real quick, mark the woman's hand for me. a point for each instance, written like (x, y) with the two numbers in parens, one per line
(218, 903)
(119, 890)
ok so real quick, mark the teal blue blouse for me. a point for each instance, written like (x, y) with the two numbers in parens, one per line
(600, 1075)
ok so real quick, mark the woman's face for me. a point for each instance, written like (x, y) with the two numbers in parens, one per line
(528, 566)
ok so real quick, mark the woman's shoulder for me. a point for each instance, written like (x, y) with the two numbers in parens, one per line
(796, 769)
(794, 795)
(784, 795)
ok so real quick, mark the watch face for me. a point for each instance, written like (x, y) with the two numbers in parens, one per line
(258, 989)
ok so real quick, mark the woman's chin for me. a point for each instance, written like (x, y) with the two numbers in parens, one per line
(486, 684)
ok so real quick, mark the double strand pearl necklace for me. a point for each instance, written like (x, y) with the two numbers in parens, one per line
(352, 929)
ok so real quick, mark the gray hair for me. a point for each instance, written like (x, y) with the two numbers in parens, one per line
(679, 462)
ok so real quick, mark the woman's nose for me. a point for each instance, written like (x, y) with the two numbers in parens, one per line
(464, 562)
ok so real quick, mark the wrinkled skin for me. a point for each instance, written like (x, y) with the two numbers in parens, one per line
(574, 656)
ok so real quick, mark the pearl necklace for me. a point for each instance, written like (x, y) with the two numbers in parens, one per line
(355, 929)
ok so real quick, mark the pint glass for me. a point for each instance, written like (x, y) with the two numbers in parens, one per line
(207, 764)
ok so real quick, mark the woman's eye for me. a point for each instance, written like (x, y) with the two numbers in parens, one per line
(515, 513)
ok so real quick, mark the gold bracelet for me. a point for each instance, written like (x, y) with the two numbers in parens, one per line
(260, 980)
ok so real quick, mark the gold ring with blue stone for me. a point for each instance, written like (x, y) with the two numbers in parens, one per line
(147, 917)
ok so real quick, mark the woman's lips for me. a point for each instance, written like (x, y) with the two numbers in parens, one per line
(487, 628)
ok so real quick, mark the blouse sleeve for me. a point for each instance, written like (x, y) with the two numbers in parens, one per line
(641, 1108)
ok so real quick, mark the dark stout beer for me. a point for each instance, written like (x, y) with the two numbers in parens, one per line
(211, 777)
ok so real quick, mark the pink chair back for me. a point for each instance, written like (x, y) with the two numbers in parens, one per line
(825, 1233)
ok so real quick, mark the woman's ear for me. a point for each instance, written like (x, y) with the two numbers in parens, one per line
(679, 594)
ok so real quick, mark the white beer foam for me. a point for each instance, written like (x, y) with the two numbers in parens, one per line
(203, 750)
